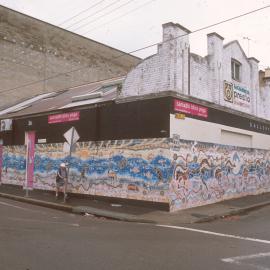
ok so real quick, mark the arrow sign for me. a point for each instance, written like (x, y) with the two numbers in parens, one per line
(72, 136)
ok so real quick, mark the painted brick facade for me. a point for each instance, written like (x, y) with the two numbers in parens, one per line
(174, 68)
(167, 70)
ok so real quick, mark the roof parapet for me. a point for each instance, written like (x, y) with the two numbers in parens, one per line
(215, 34)
(176, 25)
(253, 59)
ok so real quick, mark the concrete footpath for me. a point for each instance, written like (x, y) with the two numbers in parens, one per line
(133, 213)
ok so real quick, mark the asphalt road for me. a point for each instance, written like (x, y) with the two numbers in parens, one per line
(37, 238)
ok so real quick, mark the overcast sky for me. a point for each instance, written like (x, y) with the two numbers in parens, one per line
(132, 24)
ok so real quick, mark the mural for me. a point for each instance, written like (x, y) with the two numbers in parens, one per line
(14, 164)
(134, 169)
(182, 173)
(205, 173)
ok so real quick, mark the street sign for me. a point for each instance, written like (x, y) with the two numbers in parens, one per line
(72, 136)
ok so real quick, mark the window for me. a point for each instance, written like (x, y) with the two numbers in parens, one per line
(236, 66)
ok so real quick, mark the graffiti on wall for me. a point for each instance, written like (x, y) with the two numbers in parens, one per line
(205, 173)
(183, 173)
(48, 158)
(134, 169)
(14, 164)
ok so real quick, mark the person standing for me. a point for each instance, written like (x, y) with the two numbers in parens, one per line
(61, 180)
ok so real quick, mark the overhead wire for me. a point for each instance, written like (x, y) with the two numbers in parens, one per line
(14, 59)
(92, 14)
(81, 12)
(204, 28)
(102, 16)
(119, 17)
(140, 49)
(68, 19)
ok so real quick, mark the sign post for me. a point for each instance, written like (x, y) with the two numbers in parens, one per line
(1, 160)
(71, 137)
(30, 156)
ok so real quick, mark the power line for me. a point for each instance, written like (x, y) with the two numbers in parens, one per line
(119, 17)
(203, 28)
(100, 17)
(40, 46)
(81, 12)
(140, 49)
(24, 55)
(96, 12)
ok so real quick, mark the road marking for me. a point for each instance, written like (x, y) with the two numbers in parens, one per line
(247, 257)
(44, 221)
(216, 234)
(241, 260)
(18, 207)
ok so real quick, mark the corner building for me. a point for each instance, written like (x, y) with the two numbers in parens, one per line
(179, 130)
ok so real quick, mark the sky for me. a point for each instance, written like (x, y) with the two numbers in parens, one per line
(129, 25)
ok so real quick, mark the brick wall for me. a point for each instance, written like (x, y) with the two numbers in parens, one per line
(166, 70)
(174, 68)
(263, 107)
(32, 50)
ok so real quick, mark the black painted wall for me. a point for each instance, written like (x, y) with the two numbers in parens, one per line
(106, 121)
(149, 118)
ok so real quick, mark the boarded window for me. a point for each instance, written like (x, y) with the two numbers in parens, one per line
(236, 139)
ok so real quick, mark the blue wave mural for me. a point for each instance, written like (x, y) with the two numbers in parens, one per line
(122, 169)
(188, 175)
(14, 165)
(160, 168)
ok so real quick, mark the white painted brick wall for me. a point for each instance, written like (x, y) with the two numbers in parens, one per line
(168, 70)
(263, 105)
(199, 81)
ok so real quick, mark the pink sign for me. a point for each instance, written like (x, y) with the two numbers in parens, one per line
(30, 158)
(1, 160)
(63, 117)
(190, 108)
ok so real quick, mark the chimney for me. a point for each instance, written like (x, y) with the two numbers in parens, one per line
(254, 82)
(173, 30)
(214, 44)
(215, 57)
(267, 73)
(175, 53)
